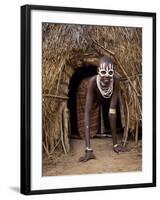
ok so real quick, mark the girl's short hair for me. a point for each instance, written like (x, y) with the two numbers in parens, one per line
(106, 60)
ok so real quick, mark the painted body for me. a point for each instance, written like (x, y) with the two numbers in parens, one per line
(102, 87)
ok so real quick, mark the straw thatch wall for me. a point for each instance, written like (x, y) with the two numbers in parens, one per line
(67, 47)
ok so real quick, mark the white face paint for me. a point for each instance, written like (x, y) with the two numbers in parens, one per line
(106, 70)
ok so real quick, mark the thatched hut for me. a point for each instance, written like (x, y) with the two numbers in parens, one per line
(70, 56)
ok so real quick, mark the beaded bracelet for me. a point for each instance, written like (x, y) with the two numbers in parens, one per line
(116, 145)
(89, 149)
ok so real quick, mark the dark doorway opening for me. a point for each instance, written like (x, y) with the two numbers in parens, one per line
(77, 78)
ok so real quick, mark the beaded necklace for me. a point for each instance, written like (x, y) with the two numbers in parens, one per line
(105, 92)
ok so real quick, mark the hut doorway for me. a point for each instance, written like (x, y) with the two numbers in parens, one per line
(77, 96)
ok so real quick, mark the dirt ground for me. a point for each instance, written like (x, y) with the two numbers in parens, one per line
(106, 159)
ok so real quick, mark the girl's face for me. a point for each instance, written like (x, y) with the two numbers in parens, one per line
(106, 73)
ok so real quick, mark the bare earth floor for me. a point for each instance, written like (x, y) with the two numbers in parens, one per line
(106, 159)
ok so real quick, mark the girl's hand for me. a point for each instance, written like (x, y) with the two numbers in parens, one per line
(120, 148)
(88, 156)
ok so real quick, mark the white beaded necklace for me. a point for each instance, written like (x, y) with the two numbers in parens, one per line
(105, 92)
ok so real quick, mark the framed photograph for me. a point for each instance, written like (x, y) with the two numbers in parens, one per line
(88, 99)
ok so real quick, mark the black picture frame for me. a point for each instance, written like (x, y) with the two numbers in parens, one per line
(26, 98)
